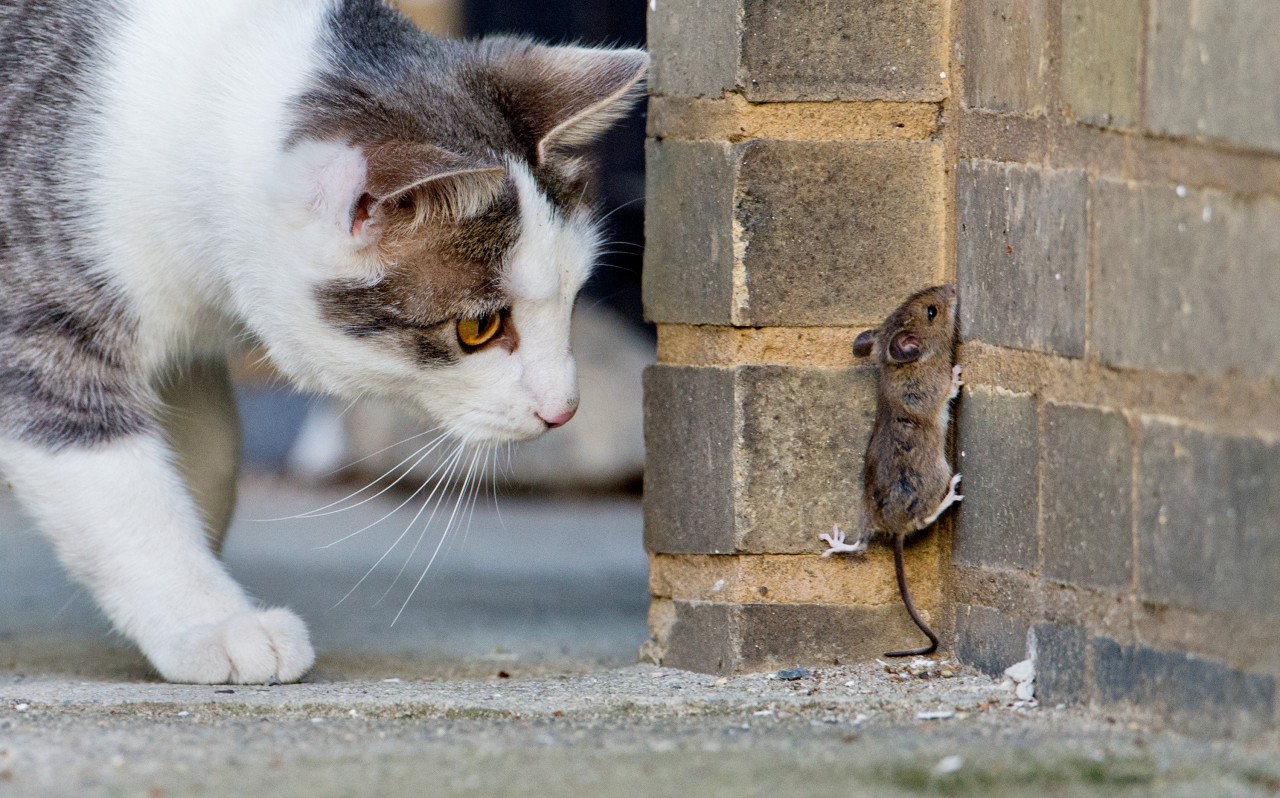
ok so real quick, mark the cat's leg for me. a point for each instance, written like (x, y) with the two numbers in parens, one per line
(203, 429)
(125, 526)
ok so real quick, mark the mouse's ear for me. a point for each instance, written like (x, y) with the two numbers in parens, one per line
(904, 348)
(863, 343)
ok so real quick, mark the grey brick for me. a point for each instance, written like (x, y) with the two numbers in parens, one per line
(836, 233)
(782, 635)
(694, 47)
(1181, 280)
(688, 259)
(1022, 255)
(704, 637)
(1004, 47)
(1209, 505)
(798, 50)
(988, 639)
(1201, 695)
(1102, 60)
(1060, 663)
(688, 478)
(1212, 70)
(804, 431)
(996, 451)
(829, 233)
(736, 638)
(1088, 496)
(851, 50)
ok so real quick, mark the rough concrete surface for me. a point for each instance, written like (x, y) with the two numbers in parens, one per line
(510, 674)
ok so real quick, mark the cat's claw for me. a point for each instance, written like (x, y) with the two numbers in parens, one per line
(836, 541)
(256, 647)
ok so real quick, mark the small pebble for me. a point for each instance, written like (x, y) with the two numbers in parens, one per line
(22, 707)
(948, 765)
(792, 674)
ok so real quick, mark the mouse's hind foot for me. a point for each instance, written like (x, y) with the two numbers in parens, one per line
(838, 546)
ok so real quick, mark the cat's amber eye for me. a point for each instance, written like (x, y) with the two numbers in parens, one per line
(479, 331)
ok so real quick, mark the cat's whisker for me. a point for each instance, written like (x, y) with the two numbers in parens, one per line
(450, 481)
(626, 204)
(354, 463)
(449, 462)
(399, 507)
(320, 512)
(443, 536)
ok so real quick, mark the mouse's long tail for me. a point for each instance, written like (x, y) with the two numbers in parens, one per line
(911, 607)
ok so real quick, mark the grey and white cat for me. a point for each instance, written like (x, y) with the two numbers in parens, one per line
(385, 211)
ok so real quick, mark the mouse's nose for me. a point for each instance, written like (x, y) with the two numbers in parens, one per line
(560, 419)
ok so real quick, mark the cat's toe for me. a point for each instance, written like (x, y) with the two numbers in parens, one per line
(248, 648)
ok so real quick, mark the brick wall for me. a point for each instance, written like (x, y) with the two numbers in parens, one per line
(1102, 179)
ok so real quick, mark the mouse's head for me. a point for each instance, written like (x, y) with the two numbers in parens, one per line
(923, 325)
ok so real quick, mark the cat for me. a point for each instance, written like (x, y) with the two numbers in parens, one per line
(385, 211)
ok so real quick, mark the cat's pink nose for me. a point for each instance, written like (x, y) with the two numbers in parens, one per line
(558, 420)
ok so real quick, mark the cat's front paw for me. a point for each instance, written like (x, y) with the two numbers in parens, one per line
(256, 647)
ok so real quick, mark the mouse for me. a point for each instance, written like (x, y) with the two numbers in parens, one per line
(908, 481)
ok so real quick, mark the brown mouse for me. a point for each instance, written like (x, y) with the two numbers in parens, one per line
(908, 479)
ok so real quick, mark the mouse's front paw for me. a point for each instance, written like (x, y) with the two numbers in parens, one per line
(956, 382)
(255, 647)
(836, 541)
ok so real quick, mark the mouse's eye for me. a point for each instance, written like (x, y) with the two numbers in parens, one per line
(479, 331)
(932, 310)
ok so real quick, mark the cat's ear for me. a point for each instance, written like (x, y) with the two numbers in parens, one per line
(562, 97)
(407, 183)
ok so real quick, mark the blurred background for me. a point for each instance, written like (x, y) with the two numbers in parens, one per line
(308, 438)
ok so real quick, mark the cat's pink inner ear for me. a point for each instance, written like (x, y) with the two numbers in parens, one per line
(360, 216)
(565, 96)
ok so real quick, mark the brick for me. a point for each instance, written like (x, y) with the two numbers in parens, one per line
(837, 233)
(1200, 695)
(1207, 520)
(988, 639)
(1004, 48)
(1102, 60)
(755, 459)
(825, 233)
(1088, 496)
(703, 637)
(782, 635)
(851, 50)
(803, 434)
(1060, 663)
(694, 47)
(688, 259)
(997, 454)
(1022, 255)
(1180, 279)
(796, 50)
(1212, 70)
(737, 638)
(688, 479)
(786, 578)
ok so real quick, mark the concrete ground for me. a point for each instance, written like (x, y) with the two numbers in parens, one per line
(510, 673)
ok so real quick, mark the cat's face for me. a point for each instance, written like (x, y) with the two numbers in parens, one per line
(446, 276)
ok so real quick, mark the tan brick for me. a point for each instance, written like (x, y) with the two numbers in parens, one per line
(734, 119)
(866, 580)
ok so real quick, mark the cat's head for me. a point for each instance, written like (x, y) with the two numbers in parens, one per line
(439, 201)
